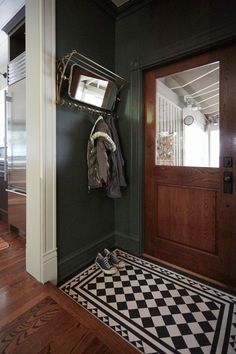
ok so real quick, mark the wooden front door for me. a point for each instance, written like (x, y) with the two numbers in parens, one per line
(190, 204)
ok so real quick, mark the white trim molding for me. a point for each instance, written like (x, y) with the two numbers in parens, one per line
(50, 266)
(41, 252)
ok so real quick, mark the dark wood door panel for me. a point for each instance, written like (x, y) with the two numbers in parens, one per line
(186, 216)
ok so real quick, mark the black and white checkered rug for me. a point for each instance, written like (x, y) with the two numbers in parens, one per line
(158, 310)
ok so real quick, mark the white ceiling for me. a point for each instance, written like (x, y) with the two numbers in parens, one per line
(119, 2)
(8, 9)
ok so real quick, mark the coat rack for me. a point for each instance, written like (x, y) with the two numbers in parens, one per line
(87, 69)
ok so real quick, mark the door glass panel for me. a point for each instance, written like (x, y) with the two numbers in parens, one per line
(187, 117)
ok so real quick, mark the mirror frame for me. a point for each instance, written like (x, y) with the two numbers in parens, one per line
(96, 76)
(64, 70)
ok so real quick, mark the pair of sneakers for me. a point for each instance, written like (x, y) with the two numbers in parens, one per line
(109, 263)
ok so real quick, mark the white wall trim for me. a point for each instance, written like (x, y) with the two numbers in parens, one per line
(49, 266)
(41, 252)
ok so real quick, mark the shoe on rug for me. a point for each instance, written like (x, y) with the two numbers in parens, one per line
(104, 265)
(113, 259)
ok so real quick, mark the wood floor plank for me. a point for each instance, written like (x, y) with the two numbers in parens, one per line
(40, 319)
(16, 333)
(11, 272)
(10, 309)
(79, 340)
(9, 254)
(5, 262)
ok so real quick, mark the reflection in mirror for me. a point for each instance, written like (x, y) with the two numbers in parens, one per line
(91, 89)
(188, 117)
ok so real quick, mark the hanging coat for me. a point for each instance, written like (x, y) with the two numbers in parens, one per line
(103, 169)
(100, 146)
(118, 153)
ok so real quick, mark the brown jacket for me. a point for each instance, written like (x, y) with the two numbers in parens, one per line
(100, 147)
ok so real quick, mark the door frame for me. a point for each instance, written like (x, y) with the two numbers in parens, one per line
(169, 65)
(41, 250)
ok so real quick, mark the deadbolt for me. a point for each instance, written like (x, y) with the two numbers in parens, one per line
(227, 161)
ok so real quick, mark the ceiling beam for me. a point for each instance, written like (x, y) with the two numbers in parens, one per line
(211, 105)
(207, 99)
(204, 93)
(194, 80)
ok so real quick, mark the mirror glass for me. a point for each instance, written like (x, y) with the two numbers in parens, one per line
(89, 88)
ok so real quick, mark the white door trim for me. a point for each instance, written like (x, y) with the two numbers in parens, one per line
(41, 251)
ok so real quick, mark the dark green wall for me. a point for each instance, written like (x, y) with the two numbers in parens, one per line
(85, 222)
(156, 32)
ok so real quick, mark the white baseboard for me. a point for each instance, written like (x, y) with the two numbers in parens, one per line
(50, 266)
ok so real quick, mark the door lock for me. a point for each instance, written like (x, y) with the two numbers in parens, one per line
(227, 161)
(228, 182)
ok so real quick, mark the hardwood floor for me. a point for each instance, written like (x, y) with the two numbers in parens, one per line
(39, 319)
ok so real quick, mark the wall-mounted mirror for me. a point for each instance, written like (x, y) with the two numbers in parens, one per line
(83, 84)
(86, 87)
